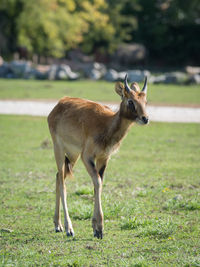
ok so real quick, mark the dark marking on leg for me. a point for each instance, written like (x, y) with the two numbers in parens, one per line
(67, 160)
(68, 166)
(92, 163)
(101, 171)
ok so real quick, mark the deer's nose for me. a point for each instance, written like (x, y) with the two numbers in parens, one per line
(145, 119)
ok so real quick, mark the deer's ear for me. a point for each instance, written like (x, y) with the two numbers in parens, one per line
(119, 89)
(135, 87)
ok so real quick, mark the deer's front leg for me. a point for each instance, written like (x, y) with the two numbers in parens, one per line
(101, 166)
(97, 220)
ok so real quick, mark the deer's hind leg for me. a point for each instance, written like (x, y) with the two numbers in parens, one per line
(64, 166)
(57, 218)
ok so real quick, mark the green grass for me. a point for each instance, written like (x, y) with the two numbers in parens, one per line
(150, 199)
(95, 90)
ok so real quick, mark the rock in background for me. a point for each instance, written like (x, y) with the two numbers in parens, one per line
(61, 72)
(129, 55)
(94, 71)
(170, 78)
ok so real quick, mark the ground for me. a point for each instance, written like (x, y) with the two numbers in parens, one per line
(150, 199)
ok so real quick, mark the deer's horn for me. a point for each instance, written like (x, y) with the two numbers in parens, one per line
(144, 89)
(128, 89)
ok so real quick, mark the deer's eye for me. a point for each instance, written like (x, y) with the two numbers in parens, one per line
(131, 105)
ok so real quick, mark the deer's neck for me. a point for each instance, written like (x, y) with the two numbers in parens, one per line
(114, 132)
(118, 128)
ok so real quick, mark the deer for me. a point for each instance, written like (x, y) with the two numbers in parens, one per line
(92, 131)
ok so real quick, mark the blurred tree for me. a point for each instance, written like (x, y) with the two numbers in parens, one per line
(169, 29)
(50, 27)
(100, 31)
(123, 19)
(9, 11)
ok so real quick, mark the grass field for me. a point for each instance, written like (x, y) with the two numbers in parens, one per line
(95, 90)
(151, 197)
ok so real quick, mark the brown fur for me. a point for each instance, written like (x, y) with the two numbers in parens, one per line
(84, 128)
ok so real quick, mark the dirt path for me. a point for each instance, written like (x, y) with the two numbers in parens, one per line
(156, 113)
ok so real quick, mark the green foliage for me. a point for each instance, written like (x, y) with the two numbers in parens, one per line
(52, 27)
(100, 31)
(9, 12)
(169, 30)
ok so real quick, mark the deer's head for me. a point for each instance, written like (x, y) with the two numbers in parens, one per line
(133, 102)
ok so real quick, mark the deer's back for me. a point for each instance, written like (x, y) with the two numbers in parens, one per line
(79, 116)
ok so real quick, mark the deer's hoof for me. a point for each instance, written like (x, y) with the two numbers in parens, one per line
(58, 229)
(98, 234)
(70, 233)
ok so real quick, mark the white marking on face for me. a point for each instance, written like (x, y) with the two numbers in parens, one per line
(139, 121)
